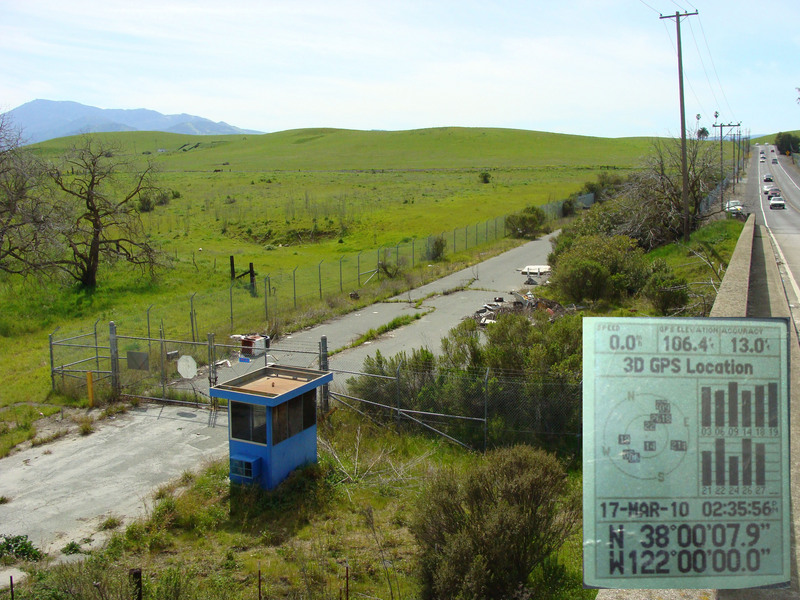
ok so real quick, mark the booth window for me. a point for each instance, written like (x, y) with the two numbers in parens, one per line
(294, 416)
(242, 468)
(249, 422)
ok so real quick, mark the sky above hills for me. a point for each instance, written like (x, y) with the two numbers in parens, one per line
(589, 67)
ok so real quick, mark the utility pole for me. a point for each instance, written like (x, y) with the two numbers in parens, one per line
(721, 164)
(684, 171)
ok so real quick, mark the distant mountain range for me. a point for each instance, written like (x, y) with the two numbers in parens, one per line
(41, 120)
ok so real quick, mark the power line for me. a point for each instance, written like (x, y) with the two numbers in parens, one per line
(650, 7)
(711, 58)
(702, 62)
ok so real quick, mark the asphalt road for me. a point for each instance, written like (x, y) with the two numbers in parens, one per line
(443, 308)
(782, 225)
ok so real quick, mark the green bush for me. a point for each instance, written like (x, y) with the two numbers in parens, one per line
(581, 279)
(436, 248)
(19, 547)
(597, 267)
(527, 223)
(665, 290)
(482, 533)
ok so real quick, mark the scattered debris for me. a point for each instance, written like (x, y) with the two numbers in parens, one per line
(522, 303)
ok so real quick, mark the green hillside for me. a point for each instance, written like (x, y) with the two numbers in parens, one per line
(310, 208)
(342, 149)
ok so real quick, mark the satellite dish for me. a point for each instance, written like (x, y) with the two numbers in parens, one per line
(187, 367)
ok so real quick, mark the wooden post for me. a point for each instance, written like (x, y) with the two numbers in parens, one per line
(136, 583)
(233, 269)
(252, 281)
(90, 388)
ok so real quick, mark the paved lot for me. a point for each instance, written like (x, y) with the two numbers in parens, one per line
(63, 491)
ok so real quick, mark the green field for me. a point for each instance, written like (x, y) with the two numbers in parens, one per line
(309, 208)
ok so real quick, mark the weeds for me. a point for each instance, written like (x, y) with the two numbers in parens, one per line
(72, 547)
(110, 523)
(85, 424)
(18, 547)
(39, 441)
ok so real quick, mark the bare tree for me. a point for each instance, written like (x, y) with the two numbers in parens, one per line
(24, 210)
(652, 197)
(99, 192)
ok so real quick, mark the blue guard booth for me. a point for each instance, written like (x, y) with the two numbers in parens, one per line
(272, 422)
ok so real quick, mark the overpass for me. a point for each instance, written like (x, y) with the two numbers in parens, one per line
(752, 287)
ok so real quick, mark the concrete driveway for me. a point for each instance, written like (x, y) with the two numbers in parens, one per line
(63, 491)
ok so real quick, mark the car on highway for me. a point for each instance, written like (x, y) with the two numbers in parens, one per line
(776, 202)
(774, 161)
(768, 177)
(767, 187)
(763, 159)
(773, 192)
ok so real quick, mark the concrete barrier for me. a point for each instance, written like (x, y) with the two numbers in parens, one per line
(751, 287)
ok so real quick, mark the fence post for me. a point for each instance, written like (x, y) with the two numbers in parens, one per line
(319, 276)
(191, 313)
(148, 327)
(230, 292)
(294, 285)
(52, 362)
(96, 349)
(323, 366)
(114, 353)
(397, 391)
(266, 295)
(485, 409)
(212, 359)
(163, 362)
(136, 582)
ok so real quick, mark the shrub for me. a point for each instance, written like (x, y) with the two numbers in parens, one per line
(526, 224)
(597, 267)
(581, 279)
(482, 533)
(146, 203)
(664, 289)
(436, 248)
(19, 547)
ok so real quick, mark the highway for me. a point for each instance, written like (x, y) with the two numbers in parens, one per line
(783, 225)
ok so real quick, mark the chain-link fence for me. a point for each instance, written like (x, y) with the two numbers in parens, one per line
(263, 302)
(475, 409)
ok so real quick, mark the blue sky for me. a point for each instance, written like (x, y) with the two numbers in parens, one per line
(588, 67)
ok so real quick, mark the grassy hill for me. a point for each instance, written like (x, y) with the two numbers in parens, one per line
(293, 202)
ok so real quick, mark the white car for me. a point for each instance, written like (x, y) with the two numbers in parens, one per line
(776, 202)
(734, 207)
